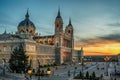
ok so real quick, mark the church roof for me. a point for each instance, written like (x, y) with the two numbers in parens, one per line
(8, 36)
(49, 36)
(26, 22)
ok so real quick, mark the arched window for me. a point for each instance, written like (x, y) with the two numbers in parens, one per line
(69, 31)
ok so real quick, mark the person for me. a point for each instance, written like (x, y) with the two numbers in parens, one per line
(69, 73)
(53, 72)
(56, 67)
(26, 76)
(74, 73)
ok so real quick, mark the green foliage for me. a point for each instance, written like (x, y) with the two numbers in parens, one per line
(93, 75)
(90, 77)
(42, 72)
(18, 60)
(48, 69)
(87, 74)
(87, 77)
(80, 74)
(47, 65)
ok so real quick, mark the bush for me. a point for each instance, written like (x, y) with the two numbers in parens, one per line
(42, 73)
(93, 75)
(88, 77)
(80, 75)
(87, 74)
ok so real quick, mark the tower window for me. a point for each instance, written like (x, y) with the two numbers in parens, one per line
(22, 31)
(31, 31)
(27, 30)
(57, 25)
(68, 31)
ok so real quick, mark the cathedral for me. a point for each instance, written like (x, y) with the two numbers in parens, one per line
(57, 48)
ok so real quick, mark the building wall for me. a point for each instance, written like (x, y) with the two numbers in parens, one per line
(46, 54)
(77, 55)
(6, 48)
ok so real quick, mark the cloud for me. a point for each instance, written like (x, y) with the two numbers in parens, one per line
(98, 40)
(114, 24)
(112, 37)
(98, 53)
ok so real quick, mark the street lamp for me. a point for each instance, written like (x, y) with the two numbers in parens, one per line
(106, 60)
(38, 70)
(82, 68)
(48, 71)
(115, 70)
(4, 66)
(30, 73)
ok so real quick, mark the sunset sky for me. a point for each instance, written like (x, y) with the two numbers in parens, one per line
(96, 22)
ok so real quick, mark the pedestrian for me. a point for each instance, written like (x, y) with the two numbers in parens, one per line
(53, 72)
(74, 73)
(56, 68)
(69, 73)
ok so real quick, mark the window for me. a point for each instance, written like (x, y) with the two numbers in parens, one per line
(4, 48)
(69, 31)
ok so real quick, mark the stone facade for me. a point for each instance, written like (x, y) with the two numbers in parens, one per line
(57, 48)
(77, 55)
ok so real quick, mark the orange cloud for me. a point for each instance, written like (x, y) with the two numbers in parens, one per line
(101, 48)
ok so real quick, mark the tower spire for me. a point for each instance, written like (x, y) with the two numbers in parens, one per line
(27, 14)
(70, 24)
(5, 32)
(59, 16)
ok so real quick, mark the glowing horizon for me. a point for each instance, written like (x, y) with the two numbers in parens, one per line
(99, 49)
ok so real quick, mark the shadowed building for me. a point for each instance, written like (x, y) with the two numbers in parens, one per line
(77, 55)
(57, 48)
(119, 58)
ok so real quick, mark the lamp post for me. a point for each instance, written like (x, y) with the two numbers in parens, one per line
(3, 66)
(82, 68)
(38, 70)
(30, 73)
(48, 71)
(106, 60)
(115, 71)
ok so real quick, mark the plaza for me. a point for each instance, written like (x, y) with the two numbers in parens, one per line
(61, 73)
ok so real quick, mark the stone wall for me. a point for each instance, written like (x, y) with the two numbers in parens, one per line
(46, 54)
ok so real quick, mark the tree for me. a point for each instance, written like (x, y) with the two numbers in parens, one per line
(42, 73)
(93, 75)
(80, 74)
(18, 60)
(87, 74)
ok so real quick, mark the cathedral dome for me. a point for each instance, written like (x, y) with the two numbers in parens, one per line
(26, 26)
(26, 23)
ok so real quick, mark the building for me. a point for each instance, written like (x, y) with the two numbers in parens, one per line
(78, 55)
(57, 48)
(118, 58)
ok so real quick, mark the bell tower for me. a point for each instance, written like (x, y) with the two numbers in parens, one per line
(58, 29)
(58, 23)
(58, 37)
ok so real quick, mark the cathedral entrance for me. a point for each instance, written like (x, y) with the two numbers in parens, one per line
(66, 57)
